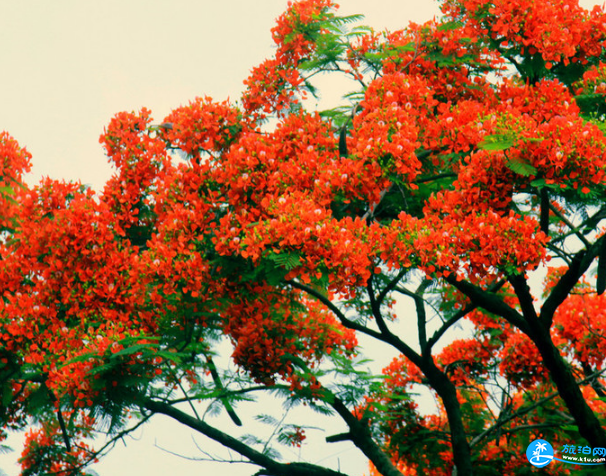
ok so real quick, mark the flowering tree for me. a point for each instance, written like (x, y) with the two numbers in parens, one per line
(471, 153)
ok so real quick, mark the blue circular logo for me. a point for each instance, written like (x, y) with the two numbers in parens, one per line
(539, 453)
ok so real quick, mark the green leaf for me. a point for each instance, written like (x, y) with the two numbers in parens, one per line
(496, 142)
(133, 349)
(175, 357)
(267, 419)
(4, 449)
(521, 168)
(451, 25)
(7, 396)
(6, 191)
(286, 260)
(100, 369)
(38, 400)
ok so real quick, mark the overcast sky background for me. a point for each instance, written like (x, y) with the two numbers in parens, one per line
(69, 66)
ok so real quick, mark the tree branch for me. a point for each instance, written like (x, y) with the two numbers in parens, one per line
(491, 302)
(272, 467)
(64, 434)
(578, 266)
(386, 334)
(457, 317)
(522, 411)
(390, 287)
(520, 286)
(567, 222)
(386, 337)
(336, 311)
(419, 300)
(361, 437)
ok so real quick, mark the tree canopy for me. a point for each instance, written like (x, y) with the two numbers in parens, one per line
(468, 159)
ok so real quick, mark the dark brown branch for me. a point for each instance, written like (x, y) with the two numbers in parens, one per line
(560, 253)
(522, 290)
(63, 430)
(386, 334)
(343, 141)
(336, 311)
(578, 266)
(419, 301)
(271, 466)
(522, 411)
(544, 211)
(64, 433)
(491, 302)
(457, 317)
(594, 382)
(390, 287)
(340, 437)
(567, 222)
(362, 438)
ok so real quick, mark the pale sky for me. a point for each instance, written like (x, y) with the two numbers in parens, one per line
(68, 66)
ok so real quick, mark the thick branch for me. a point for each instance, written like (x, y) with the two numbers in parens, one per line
(376, 310)
(419, 300)
(522, 411)
(336, 311)
(491, 302)
(390, 287)
(573, 228)
(339, 437)
(522, 290)
(360, 436)
(384, 336)
(579, 265)
(273, 467)
(456, 318)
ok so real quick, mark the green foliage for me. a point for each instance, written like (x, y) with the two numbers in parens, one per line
(288, 261)
(497, 142)
(521, 167)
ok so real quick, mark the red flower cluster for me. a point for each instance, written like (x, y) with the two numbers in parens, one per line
(292, 31)
(471, 246)
(14, 162)
(202, 125)
(387, 129)
(593, 81)
(579, 328)
(521, 362)
(274, 85)
(558, 31)
(271, 336)
(44, 454)
(466, 359)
